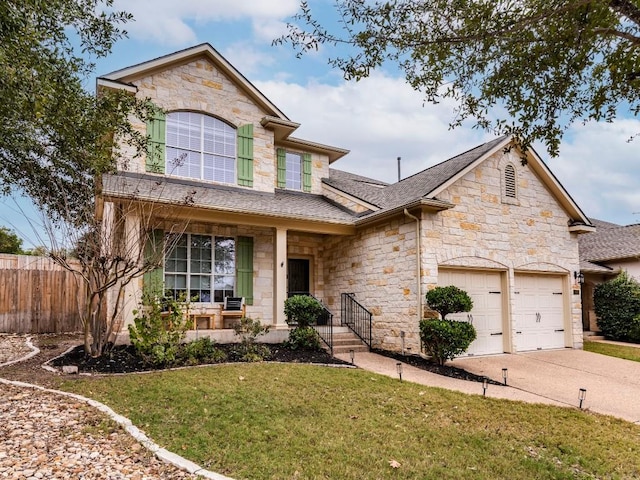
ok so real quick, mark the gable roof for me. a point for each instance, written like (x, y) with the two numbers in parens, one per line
(611, 243)
(424, 187)
(127, 75)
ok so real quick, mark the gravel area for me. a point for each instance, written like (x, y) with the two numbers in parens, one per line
(44, 435)
(13, 347)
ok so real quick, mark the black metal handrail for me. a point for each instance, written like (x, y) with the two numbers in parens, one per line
(356, 317)
(324, 322)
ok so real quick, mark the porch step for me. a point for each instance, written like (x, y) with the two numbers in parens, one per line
(593, 338)
(345, 340)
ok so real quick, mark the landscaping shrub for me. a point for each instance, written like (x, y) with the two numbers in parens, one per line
(617, 306)
(302, 310)
(303, 338)
(249, 330)
(446, 300)
(202, 350)
(445, 339)
(158, 329)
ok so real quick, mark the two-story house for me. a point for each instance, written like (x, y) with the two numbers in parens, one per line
(268, 217)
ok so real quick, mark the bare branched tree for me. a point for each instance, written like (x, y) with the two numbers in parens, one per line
(112, 243)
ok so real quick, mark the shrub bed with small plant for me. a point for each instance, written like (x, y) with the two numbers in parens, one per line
(445, 339)
(302, 312)
(617, 306)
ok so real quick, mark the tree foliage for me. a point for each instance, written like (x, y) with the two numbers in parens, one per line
(9, 241)
(617, 306)
(450, 299)
(543, 63)
(56, 137)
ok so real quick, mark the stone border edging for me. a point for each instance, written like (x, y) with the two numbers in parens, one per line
(162, 453)
(34, 351)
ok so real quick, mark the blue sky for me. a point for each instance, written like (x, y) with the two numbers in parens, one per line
(378, 119)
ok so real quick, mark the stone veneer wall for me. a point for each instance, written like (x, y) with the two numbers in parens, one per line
(262, 308)
(198, 86)
(311, 247)
(483, 230)
(378, 264)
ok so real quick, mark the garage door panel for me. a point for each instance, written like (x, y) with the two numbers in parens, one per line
(538, 312)
(485, 289)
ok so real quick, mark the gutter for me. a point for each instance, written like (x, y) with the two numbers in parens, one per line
(418, 264)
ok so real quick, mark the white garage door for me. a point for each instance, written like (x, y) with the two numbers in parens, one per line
(485, 289)
(538, 312)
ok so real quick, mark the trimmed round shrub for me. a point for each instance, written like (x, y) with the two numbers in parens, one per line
(445, 339)
(617, 306)
(446, 300)
(302, 310)
(304, 338)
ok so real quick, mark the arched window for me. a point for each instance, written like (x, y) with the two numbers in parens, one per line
(200, 146)
(510, 190)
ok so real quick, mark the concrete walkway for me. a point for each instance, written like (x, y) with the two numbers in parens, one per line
(548, 377)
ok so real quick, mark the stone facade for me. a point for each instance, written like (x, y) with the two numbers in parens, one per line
(378, 264)
(200, 87)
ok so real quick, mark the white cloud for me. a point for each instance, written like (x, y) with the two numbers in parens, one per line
(378, 119)
(166, 22)
(381, 118)
(600, 168)
(246, 58)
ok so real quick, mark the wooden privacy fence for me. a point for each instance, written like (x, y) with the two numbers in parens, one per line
(38, 296)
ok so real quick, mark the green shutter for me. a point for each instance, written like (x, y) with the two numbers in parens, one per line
(306, 172)
(153, 280)
(156, 137)
(282, 167)
(244, 263)
(245, 155)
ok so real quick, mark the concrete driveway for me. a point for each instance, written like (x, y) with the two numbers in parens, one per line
(612, 384)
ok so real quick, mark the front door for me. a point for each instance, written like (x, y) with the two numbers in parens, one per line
(298, 282)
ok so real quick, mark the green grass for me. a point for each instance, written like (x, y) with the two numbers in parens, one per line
(283, 421)
(612, 350)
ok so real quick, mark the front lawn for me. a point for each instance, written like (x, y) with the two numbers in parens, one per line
(284, 421)
(613, 350)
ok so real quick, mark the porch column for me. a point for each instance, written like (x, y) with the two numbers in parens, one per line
(132, 251)
(279, 277)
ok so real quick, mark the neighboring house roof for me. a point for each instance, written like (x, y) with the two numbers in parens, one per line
(176, 192)
(424, 187)
(612, 243)
(602, 224)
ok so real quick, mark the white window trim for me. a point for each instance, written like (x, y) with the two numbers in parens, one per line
(212, 275)
(170, 166)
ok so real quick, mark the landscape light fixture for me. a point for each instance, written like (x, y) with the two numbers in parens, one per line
(505, 373)
(485, 385)
(399, 369)
(352, 354)
(578, 277)
(582, 395)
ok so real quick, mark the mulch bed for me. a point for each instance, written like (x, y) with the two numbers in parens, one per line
(123, 358)
(445, 370)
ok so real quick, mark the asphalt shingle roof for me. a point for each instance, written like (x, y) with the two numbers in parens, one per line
(390, 196)
(198, 194)
(610, 243)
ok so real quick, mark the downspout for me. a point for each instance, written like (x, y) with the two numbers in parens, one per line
(418, 263)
